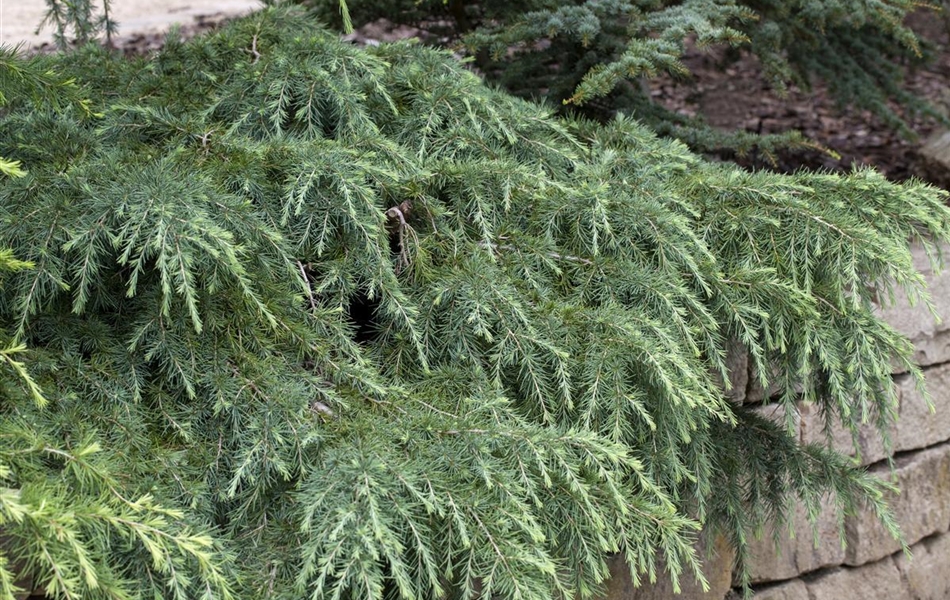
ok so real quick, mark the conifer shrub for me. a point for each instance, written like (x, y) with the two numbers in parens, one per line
(311, 321)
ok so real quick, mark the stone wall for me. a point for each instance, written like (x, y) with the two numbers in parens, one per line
(814, 564)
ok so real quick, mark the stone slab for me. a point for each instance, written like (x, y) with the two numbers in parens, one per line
(794, 589)
(917, 426)
(778, 415)
(879, 580)
(931, 161)
(809, 426)
(930, 335)
(802, 549)
(931, 339)
(756, 393)
(717, 568)
(737, 364)
(927, 575)
(922, 508)
(21, 18)
(796, 551)
(813, 432)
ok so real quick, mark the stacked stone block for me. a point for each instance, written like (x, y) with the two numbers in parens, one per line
(810, 562)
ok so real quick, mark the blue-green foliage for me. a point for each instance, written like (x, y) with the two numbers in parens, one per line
(79, 21)
(378, 330)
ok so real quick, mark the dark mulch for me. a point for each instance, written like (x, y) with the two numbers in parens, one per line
(731, 95)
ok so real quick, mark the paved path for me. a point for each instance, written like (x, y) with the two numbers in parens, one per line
(20, 18)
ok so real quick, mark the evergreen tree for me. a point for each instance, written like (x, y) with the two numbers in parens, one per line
(315, 321)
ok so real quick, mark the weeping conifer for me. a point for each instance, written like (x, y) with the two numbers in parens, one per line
(316, 321)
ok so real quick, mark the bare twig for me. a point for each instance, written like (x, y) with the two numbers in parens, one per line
(306, 280)
(205, 138)
(554, 255)
(254, 52)
(399, 213)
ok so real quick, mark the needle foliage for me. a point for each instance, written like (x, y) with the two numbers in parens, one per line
(78, 21)
(313, 321)
(593, 56)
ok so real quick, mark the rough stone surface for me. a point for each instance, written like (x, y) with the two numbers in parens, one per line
(879, 580)
(755, 391)
(927, 575)
(737, 366)
(777, 414)
(932, 160)
(798, 553)
(931, 339)
(810, 427)
(717, 568)
(922, 508)
(872, 566)
(20, 18)
(737, 362)
(813, 432)
(789, 590)
(918, 427)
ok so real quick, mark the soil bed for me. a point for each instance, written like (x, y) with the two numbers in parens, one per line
(734, 96)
